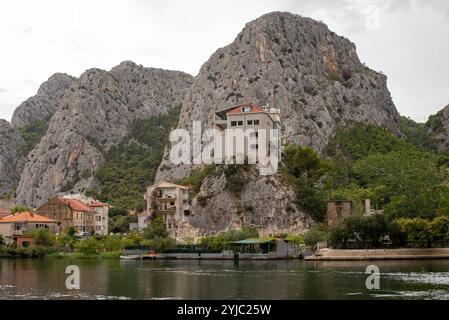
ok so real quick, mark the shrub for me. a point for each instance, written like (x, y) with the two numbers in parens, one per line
(365, 232)
(196, 178)
(42, 237)
(18, 209)
(314, 235)
(89, 246)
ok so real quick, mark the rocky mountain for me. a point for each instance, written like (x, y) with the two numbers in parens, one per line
(438, 128)
(94, 114)
(44, 104)
(311, 74)
(298, 65)
(11, 156)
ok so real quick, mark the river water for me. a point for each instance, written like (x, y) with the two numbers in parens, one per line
(116, 279)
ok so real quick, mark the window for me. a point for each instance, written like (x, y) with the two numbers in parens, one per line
(256, 122)
(250, 122)
(172, 203)
(233, 123)
(239, 123)
(187, 212)
(254, 134)
(246, 109)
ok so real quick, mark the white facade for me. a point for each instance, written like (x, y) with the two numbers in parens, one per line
(171, 200)
(101, 219)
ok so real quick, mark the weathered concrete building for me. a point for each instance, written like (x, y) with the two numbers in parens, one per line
(337, 210)
(250, 119)
(70, 213)
(171, 200)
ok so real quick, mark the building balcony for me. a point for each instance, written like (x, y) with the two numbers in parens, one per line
(220, 123)
(168, 210)
(166, 197)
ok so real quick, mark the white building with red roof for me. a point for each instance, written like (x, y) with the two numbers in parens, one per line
(249, 118)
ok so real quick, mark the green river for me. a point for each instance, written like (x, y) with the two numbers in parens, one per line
(170, 279)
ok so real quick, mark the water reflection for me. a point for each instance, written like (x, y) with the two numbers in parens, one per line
(115, 279)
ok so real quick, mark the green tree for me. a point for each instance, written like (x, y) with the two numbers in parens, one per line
(410, 180)
(132, 165)
(314, 235)
(156, 228)
(18, 209)
(42, 237)
(89, 246)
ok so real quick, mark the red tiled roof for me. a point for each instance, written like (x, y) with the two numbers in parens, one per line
(76, 205)
(253, 107)
(26, 217)
(95, 204)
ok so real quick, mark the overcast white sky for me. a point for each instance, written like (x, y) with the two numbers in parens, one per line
(406, 39)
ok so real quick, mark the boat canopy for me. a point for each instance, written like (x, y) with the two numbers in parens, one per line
(252, 241)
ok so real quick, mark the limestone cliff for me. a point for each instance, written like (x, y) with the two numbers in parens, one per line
(11, 156)
(44, 104)
(317, 81)
(94, 114)
(438, 128)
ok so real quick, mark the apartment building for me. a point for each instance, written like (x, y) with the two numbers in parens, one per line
(171, 200)
(70, 212)
(101, 217)
(248, 116)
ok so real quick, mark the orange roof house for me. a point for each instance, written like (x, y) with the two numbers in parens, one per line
(17, 224)
(26, 217)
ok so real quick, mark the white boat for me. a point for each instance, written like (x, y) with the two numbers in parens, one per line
(131, 257)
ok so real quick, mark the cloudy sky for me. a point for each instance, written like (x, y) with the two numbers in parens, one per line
(405, 39)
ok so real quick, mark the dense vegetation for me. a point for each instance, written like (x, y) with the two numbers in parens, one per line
(404, 178)
(154, 237)
(131, 166)
(33, 133)
(416, 133)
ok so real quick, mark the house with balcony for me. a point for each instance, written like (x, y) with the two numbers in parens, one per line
(170, 200)
(101, 217)
(15, 226)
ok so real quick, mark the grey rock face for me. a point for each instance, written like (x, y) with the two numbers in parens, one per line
(95, 113)
(11, 156)
(298, 65)
(44, 104)
(439, 128)
(264, 203)
(317, 81)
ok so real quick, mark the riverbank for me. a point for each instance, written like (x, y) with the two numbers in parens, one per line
(379, 254)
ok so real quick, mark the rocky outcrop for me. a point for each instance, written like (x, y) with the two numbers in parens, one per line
(11, 156)
(295, 64)
(95, 113)
(265, 203)
(317, 81)
(44, 104)
(438, 128)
